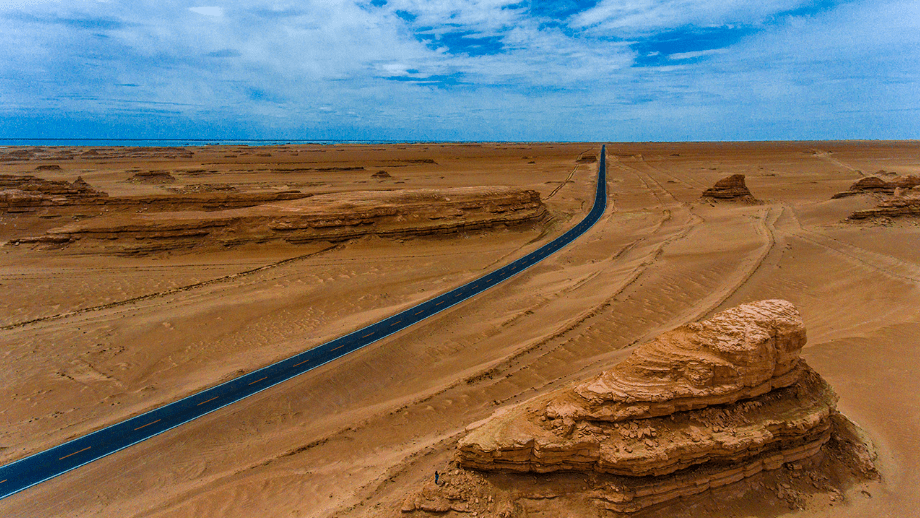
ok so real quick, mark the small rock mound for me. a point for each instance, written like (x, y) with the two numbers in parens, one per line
(152, 177)
(381, 175)
(730, 188)
(700, 407)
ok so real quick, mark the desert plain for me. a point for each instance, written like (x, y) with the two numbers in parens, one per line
(163, 271)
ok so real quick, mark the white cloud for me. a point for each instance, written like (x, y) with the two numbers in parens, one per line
(697, 54)
(208, 10)
(300, 66)
(631, 17)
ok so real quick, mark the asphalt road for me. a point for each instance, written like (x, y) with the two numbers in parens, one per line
(50, 463)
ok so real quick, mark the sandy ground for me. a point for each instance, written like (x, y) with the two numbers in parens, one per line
(115, 336)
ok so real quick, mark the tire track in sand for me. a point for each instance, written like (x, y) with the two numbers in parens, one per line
(171, 291)
(884, 264)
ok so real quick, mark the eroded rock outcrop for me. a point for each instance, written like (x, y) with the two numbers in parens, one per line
(643, 416)
(899, 205)
(730, 188)
(702, 406)
(330, 217)
(874, 184)
(24, 193)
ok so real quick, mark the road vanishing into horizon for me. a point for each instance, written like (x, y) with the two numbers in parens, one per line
(35, 469)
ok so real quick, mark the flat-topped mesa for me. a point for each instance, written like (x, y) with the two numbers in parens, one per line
(730, 188)
(654, 413)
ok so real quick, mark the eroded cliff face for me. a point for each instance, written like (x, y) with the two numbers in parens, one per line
(702, 406)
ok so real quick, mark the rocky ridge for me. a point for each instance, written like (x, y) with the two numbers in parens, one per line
(26, 193)
(331, 217)
(703, 406)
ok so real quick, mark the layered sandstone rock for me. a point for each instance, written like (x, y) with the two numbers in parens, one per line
(329, 217)
(874, 184)
(699, 407)
(730, 188)
(901, 205)
(642, 417)
(24, 193)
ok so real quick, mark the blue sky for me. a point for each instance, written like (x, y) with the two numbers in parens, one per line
(619, 70)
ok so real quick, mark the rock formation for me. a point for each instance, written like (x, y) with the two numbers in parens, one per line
(702, 406)
(327, 217)
(24, 193)
(381, 175)
(900, 205)
(874, 184)
(730, 188)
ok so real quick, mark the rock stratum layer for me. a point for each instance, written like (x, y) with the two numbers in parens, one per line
(892, 208)
(29, 194)
(730, 188)
(702, 406)
(330, 217)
